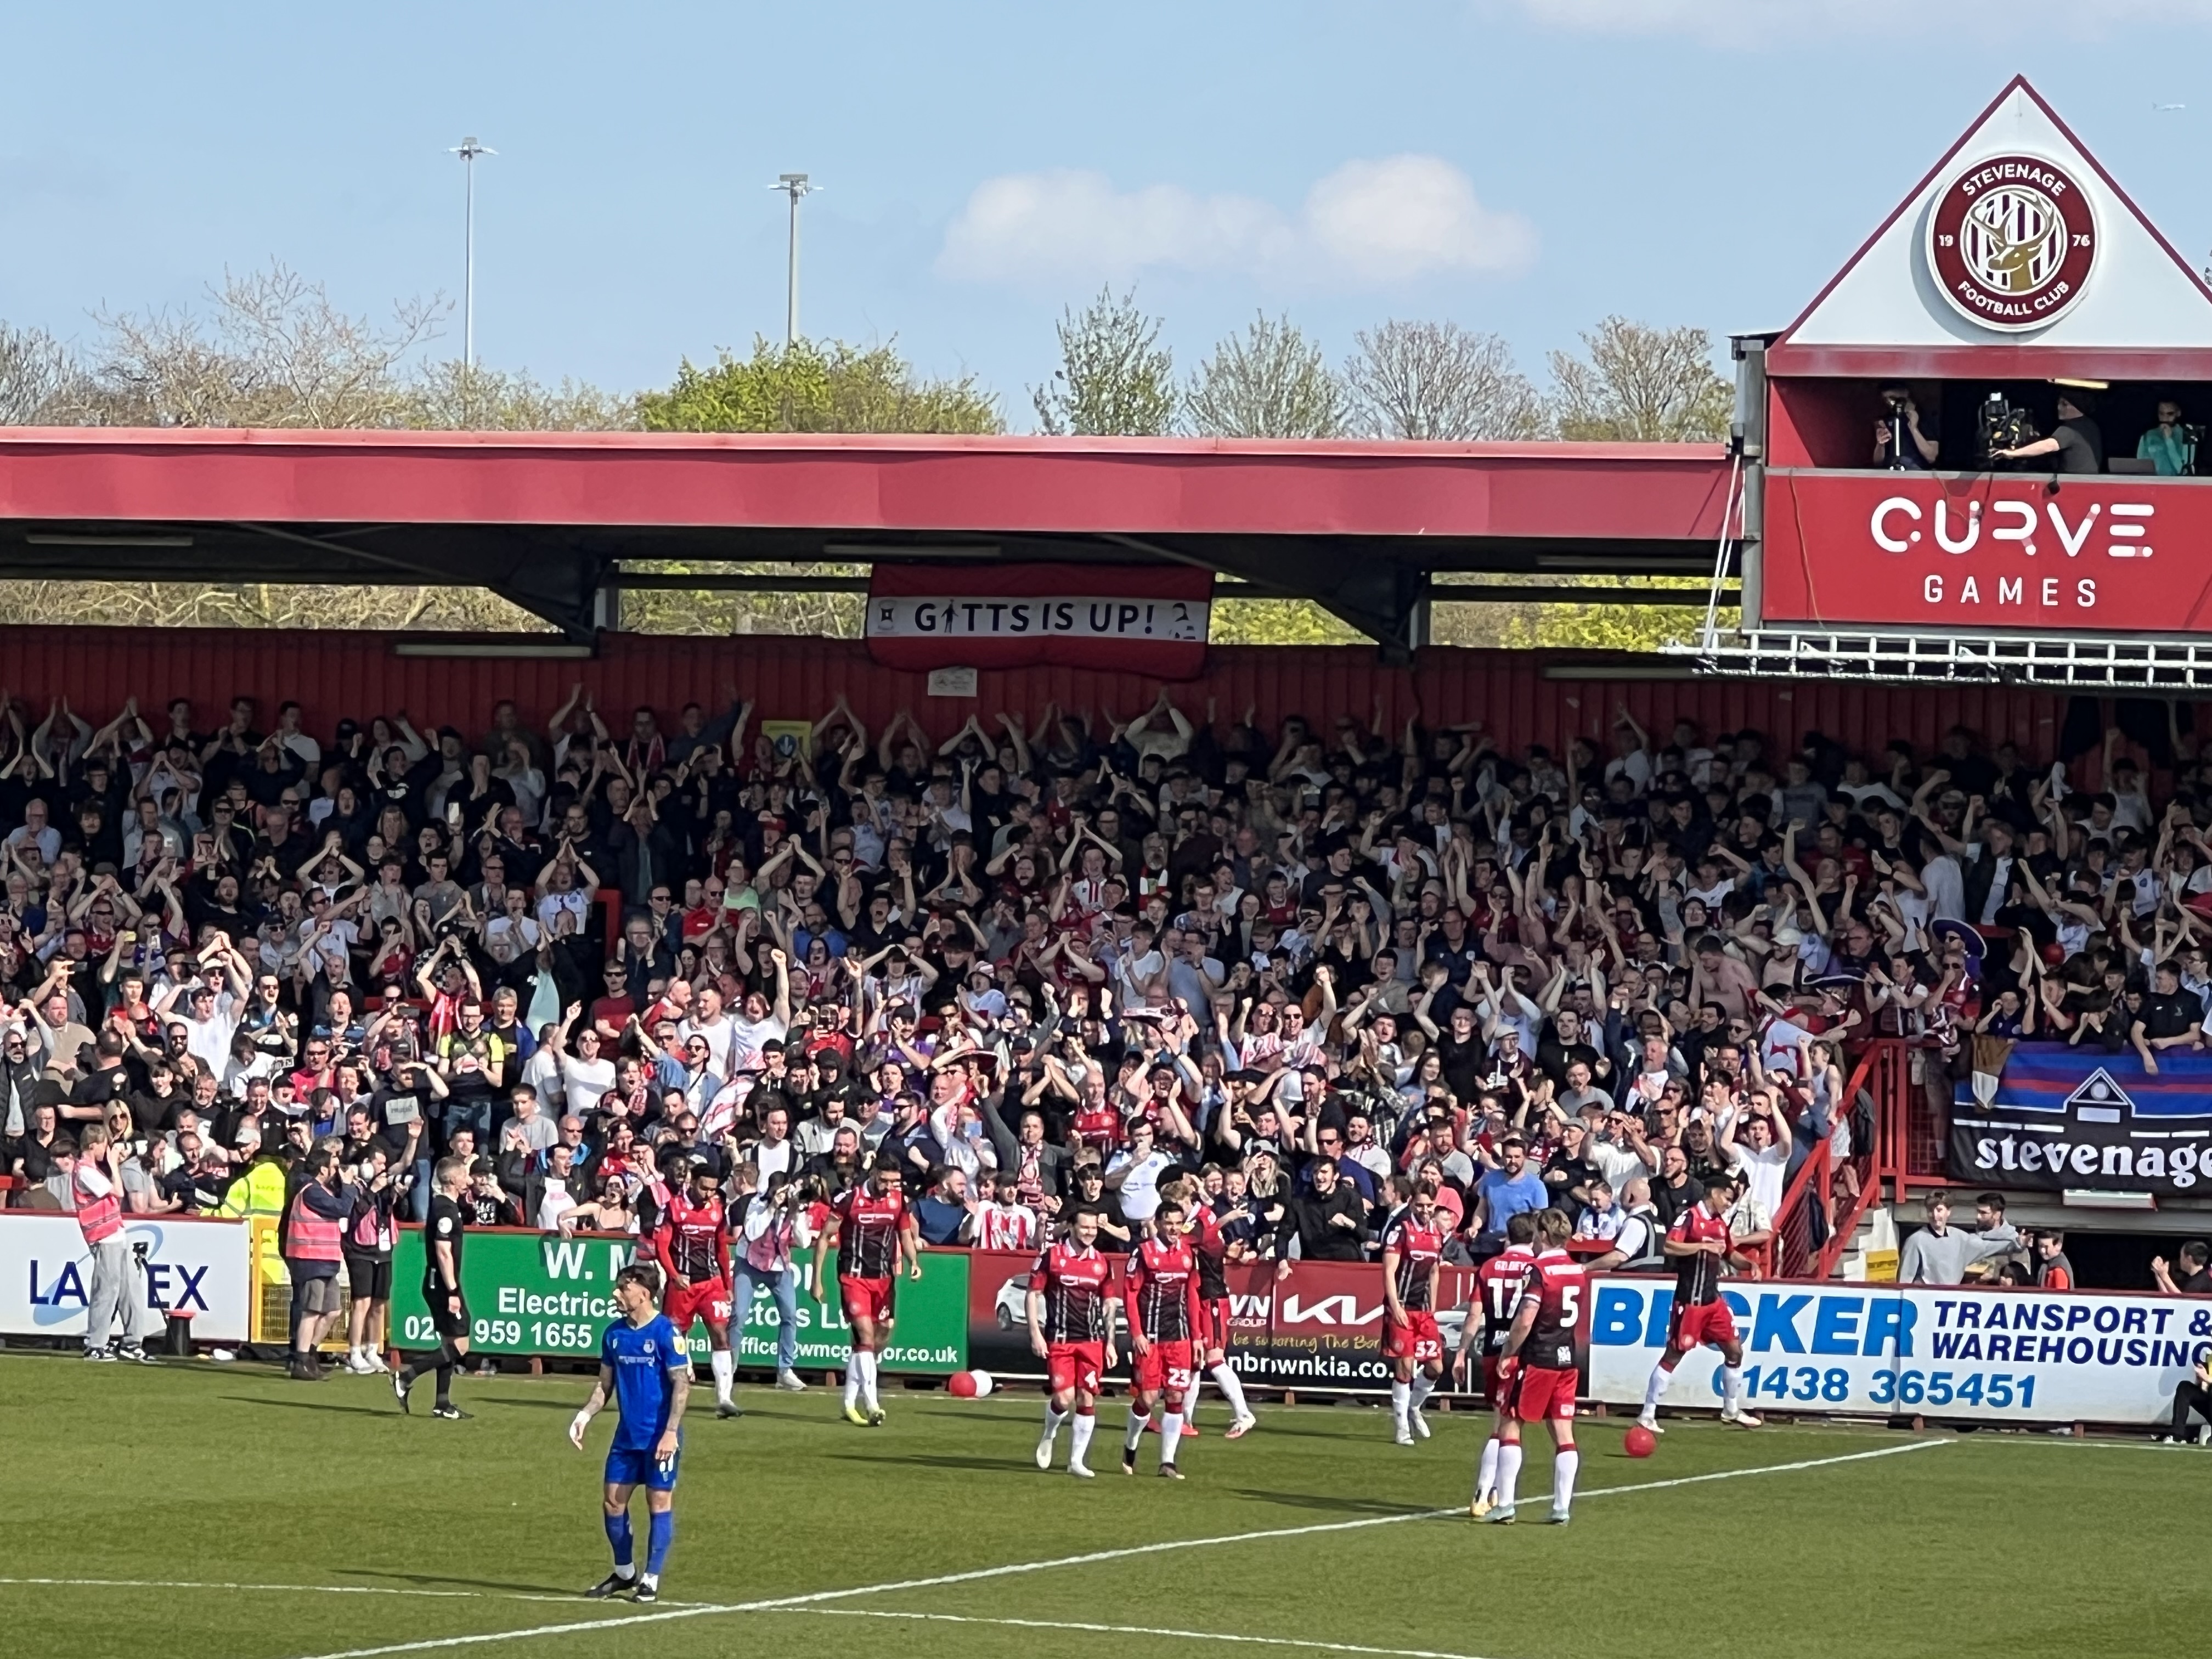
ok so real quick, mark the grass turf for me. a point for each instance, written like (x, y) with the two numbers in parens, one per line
(194, 1474)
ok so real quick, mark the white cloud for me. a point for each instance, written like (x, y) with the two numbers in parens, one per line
(1368, 224)
(1748, 22)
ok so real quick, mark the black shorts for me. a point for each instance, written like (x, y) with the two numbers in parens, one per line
(368, 1276)
(445, 1324)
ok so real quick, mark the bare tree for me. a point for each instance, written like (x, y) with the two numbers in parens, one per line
(41, 383)
(1438, 380)
(272, 351)
(1270, 381)
(451, 396)
(1655, 385)
(1115, 377)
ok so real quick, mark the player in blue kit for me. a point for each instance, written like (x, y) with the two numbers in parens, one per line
(643, 1363)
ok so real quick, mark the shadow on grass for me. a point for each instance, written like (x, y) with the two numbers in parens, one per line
(316, 1406)
(1335, 1503)
(441, 1580)
(938, 1461)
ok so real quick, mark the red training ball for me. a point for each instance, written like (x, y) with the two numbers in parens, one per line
(1640, 1441)
(962, 1385)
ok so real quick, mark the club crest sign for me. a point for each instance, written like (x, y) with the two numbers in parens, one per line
(2012, 241)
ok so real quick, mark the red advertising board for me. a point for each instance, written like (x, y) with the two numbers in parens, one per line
(1948, 552)
(1318, 1326)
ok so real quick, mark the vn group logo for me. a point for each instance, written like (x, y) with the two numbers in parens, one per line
(2012, 242)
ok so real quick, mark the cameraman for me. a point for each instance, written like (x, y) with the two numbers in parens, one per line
(771, 1229)
(1899, 442)
(370, 1232)
(2076, 441)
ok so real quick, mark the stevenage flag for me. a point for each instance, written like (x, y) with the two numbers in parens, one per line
(1139, 619)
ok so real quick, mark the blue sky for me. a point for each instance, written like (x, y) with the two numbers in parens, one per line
(1522, 166)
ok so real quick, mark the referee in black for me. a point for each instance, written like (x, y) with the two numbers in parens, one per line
(442, 1233)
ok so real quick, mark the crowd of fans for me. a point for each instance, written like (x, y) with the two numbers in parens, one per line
(1050, 963)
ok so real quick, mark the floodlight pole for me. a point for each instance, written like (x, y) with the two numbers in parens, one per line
(468, 150)
(795, 186)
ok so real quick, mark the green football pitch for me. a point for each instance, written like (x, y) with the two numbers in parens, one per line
(195, 1512)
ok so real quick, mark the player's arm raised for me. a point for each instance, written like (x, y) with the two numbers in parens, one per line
(600, 1389)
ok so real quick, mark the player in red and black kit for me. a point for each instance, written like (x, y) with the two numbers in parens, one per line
(1208, 1244)
(1699, 1244)
(1538, 1366)
(875, 1232)
(1497, 1293)
(1412, 1255)
(1072, 1330)
(692, 1244)
(1159, 1299)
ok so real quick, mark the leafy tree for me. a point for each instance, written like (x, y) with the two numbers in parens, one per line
(814, 385)
(1277, 622)
(1114, 379)
(1438, 380)
(1656, 384)
(451, 396)
(1270, 381)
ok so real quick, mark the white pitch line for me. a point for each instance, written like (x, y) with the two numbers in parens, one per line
(307, 1589)
(1134, 1630)
(776, 1604)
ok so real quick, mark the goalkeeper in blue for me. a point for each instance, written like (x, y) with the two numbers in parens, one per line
(644, 1366)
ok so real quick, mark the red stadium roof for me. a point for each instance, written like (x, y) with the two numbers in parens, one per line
(552, 520)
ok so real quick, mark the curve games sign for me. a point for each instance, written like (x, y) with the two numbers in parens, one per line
(2012, 241)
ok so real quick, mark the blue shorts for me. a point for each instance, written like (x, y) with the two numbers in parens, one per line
(639, 1468)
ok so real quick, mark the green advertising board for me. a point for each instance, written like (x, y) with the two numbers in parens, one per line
(542, 1295)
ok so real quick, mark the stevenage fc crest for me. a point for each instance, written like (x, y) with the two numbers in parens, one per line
(2012, 240)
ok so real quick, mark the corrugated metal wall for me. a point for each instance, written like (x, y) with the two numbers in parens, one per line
(1522, 696)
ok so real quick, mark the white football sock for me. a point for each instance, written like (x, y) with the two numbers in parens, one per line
(853, 1380)
(1423, 1386)
(1565, 1463)
(1486, 1478)
(1052, 1419)
(1170, 1434)
(1509, 1473)
(725, 1374)
(865, 1359)
(1232, 1387)
(1078, 1440)
(1661, 1377)
(1135, 1432)
(1732, 1388)
(1400, 1392)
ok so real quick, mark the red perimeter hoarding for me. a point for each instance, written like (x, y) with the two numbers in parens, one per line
(2078, 553)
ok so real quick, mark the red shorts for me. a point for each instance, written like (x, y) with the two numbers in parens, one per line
(1540, 1392)
(1076, 1365)
(704, 1298)
(866, 1299)
(1213, 1329)
(1416, 1339)
(1689, 1328)
(1165, 1369)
